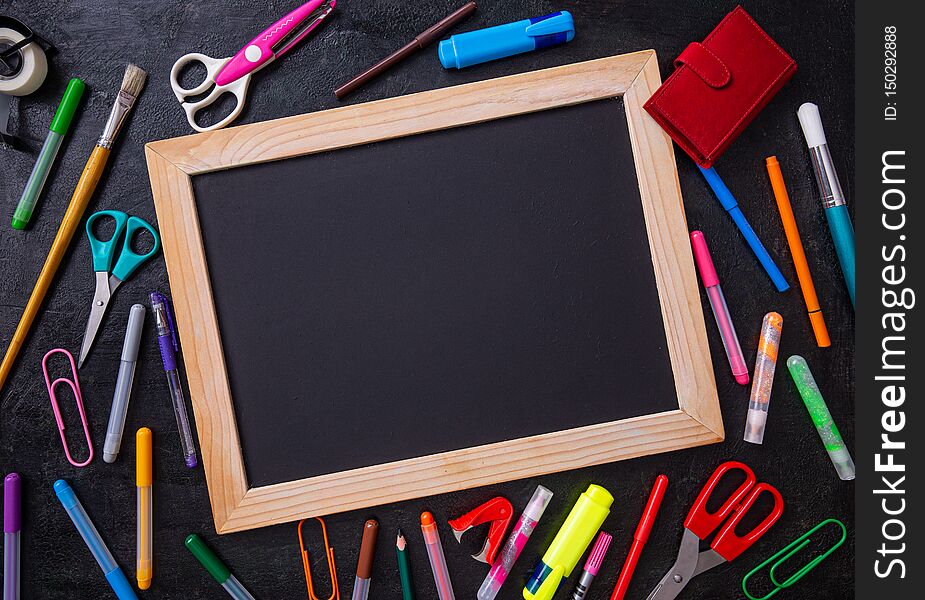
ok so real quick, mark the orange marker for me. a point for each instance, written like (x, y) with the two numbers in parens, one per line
(799, 256)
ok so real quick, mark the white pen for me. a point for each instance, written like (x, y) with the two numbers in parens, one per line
(136, 319)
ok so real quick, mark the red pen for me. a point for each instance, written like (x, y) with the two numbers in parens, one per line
(641, 536)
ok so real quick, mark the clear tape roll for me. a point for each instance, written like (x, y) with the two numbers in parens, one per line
(33, 70)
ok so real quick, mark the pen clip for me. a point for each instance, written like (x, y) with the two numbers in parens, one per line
(560, 23)
(157, 297)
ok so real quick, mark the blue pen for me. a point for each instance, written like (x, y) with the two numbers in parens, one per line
(836, 211)
(728, 201)
(474, 47)
(94, 542)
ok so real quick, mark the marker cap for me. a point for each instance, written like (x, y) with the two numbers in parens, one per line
(207, 558)
(65, 494)
(12, 503)
(67, 107)
(136, 320)
(144, 469)
(537, 505)
(119, 583)
(367, 549)
(598, 552)
(483, 45)
(703, 259)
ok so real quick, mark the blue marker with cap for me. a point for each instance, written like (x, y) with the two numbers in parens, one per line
(728, 201)
(474, 47)
(95, 543)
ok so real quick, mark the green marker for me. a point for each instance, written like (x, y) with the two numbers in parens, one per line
(57, 130)
(822, 418)
(216, 568)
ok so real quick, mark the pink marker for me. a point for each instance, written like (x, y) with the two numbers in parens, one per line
(720, 310)
(592, 566)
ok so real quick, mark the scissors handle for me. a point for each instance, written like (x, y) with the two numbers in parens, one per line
(104, 251)
(727, 543)
(129, 260)
(701, 522)
(213, 67)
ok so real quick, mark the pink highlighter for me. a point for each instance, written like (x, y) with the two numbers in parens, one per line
(720, 310)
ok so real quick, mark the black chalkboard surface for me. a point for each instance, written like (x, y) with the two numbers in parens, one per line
(435, 292)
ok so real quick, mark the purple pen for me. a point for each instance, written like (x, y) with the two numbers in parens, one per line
(12, 526)
(167, 342)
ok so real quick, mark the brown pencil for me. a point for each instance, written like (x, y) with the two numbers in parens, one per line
(428, 37)
(132, 83)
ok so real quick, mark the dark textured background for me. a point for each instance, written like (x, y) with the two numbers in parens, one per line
(96, 38)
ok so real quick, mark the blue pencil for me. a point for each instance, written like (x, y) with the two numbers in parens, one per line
(728, 201)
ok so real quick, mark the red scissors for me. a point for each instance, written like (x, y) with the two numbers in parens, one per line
(700, 523)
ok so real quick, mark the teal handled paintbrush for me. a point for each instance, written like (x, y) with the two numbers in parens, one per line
(56, 132)
(833, 199)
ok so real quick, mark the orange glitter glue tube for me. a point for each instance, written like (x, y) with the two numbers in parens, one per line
(763, 379)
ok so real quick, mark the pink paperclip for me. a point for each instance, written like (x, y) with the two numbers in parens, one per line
(75, 387)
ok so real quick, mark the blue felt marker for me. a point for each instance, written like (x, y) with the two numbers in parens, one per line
(728, 201)
(833, 199)
(483, 45)
(95, 543)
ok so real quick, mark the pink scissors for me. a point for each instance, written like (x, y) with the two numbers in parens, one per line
(231, 75)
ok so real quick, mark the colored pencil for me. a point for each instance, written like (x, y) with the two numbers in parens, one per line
(404, 567)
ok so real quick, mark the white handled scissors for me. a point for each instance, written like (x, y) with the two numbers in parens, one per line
(232, 74)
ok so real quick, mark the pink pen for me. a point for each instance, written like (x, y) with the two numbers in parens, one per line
(592, 566)
(718, 304)
(515, 544)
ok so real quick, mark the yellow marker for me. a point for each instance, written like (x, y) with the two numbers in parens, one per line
(144, 481)
(570, 543)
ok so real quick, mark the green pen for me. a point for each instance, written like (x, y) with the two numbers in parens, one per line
(822, 418)
(56, 133)
(216, 568)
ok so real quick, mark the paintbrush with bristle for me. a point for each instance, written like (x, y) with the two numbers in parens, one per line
(132, 83)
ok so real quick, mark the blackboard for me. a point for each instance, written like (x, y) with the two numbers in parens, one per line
(435, 292)
(435, 296)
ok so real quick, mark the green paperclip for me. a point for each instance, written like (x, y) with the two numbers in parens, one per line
(787, 552)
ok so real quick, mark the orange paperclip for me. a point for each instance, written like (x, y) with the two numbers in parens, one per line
(329, 551)
(75, 387)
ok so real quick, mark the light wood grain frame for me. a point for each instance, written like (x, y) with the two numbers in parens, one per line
(238, 506)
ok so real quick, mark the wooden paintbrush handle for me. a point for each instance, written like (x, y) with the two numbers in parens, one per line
(75, 210)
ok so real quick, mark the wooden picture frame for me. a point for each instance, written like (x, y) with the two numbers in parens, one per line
(236, 505)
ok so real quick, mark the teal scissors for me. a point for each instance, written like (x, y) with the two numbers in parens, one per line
(104, 253)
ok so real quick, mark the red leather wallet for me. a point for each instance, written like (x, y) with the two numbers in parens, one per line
(719, 86)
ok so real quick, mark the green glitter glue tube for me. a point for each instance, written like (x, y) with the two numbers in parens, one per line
(822, 418)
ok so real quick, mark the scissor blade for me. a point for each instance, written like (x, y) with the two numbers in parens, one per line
(312, 20)
(707, 560)
(681, 572)
(97, 311)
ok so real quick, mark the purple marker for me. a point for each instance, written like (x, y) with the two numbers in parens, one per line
(167, 342)
(12, 525)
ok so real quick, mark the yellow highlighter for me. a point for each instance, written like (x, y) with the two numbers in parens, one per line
(570, 543)
(144, 482)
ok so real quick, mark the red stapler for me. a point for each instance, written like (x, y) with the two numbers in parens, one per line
(497, 510)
